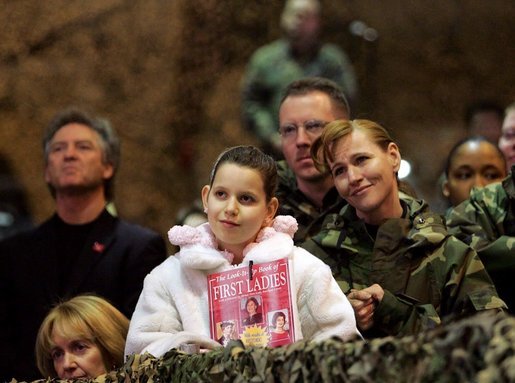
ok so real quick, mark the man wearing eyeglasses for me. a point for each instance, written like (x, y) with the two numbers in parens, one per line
(305, 193)
(300, 52)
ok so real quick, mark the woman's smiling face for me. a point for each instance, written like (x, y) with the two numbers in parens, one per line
(251, 307)
(365, 175)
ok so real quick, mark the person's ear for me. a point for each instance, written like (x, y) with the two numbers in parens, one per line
(205, 195)
(445, 189)
(394, 155)
(272, 207)
(108, 171)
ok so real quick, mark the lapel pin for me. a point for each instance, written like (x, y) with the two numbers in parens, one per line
(98, 247)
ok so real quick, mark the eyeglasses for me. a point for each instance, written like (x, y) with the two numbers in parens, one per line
(312, 127)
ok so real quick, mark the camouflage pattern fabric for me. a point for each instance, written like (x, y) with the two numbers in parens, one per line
(476, 349)
(293, 202)
(272, 67)
(487, 222)
(487, 218)
(426, 274)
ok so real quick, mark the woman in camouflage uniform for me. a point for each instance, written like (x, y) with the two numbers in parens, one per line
(487, 222)
(391, 255)
(472, 162)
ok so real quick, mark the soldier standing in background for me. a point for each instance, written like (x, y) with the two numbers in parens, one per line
(300, 53)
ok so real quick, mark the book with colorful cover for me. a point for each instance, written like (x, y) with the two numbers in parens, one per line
(254, 303)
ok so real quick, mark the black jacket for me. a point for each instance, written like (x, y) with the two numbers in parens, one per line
(113, 263)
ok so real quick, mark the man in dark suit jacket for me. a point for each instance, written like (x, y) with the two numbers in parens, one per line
(82, 248)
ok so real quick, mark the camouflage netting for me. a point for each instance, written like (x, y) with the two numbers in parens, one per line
(478, 349)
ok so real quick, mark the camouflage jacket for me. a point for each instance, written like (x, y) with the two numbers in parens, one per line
(487, 219)
(293, 202)
(425, 273)
(487, 222)
(272, 67)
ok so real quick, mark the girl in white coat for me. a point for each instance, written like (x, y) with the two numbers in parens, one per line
(240, 205)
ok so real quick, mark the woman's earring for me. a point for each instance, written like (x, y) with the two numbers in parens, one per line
(205, 210)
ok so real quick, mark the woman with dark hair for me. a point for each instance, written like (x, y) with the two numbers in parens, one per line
(472, 162)
(279, 336)
(242, 230)
(254, 317)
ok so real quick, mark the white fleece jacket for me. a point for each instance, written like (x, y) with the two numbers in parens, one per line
(173, 306)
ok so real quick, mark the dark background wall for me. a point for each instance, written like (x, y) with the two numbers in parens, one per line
(167, 75)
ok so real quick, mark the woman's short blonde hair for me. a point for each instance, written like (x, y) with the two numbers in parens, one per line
(85, 317)
(322, 148)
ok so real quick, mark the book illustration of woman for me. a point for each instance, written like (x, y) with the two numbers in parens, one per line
(227, 328)
(279, 336)
(254, 317)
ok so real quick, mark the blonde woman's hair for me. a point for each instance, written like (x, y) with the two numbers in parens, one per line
(87, 317)
(322, 148)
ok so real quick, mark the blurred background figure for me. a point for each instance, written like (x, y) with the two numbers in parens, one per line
(83, 337)
(191, 215)
(299, 53)
(484, 118)
(507, 140)
(472, 162)
(14, 210)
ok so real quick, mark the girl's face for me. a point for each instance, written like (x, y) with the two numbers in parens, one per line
(76, 358)
(237, 208)
(365, 176)
(475, 164)
(251, 307)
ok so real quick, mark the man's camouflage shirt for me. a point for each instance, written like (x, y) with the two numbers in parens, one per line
(426, 273)
(293, 202)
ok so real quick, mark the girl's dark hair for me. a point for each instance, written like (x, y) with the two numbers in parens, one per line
(253, 158)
